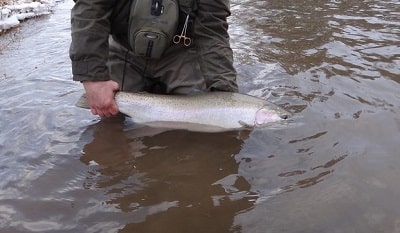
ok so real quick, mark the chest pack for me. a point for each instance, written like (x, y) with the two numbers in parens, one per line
(154, 23)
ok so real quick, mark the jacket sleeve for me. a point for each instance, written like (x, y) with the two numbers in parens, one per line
(90, 29)
(212, 42)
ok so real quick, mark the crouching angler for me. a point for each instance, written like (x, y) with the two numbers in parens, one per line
(157, 46)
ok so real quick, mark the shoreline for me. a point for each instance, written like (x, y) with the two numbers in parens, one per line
(14, 12)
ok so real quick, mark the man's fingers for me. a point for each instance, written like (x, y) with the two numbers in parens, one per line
(114, 110)
(94, 112)
(101, 97)
(114, 85)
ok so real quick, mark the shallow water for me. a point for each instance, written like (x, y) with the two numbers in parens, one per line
(334, 168)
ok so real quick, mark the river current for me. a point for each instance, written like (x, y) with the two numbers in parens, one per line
(334, 167)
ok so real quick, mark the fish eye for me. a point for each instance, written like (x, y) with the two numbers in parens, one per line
(284, 116)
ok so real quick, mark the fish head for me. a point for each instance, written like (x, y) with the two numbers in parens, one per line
(267, 115)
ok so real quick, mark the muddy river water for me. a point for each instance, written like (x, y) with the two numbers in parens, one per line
(335, 64)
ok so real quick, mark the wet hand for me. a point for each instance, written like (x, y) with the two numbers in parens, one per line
(100, 96)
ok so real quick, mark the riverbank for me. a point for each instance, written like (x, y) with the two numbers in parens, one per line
(13, 12)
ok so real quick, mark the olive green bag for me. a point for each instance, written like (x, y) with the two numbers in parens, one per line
(152, 25)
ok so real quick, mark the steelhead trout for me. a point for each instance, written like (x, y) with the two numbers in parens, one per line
(207, 112)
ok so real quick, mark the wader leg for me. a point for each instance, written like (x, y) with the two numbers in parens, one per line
(126, 69)
(212, 43)
(180, 71)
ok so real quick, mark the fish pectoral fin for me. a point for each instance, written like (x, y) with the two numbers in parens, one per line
(245, 125)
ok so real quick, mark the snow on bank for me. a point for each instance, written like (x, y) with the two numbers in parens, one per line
(13, 14)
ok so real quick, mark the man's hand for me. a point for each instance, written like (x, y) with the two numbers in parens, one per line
(100, 96)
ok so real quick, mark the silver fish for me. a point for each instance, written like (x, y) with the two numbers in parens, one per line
(207, 112)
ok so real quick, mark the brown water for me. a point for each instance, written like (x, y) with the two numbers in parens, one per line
(334, 168)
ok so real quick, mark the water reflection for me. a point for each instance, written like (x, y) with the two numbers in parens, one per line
(173, 181)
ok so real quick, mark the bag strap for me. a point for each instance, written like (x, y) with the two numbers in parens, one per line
(188, 6)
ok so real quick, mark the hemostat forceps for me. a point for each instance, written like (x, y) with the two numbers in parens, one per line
(185, 40)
